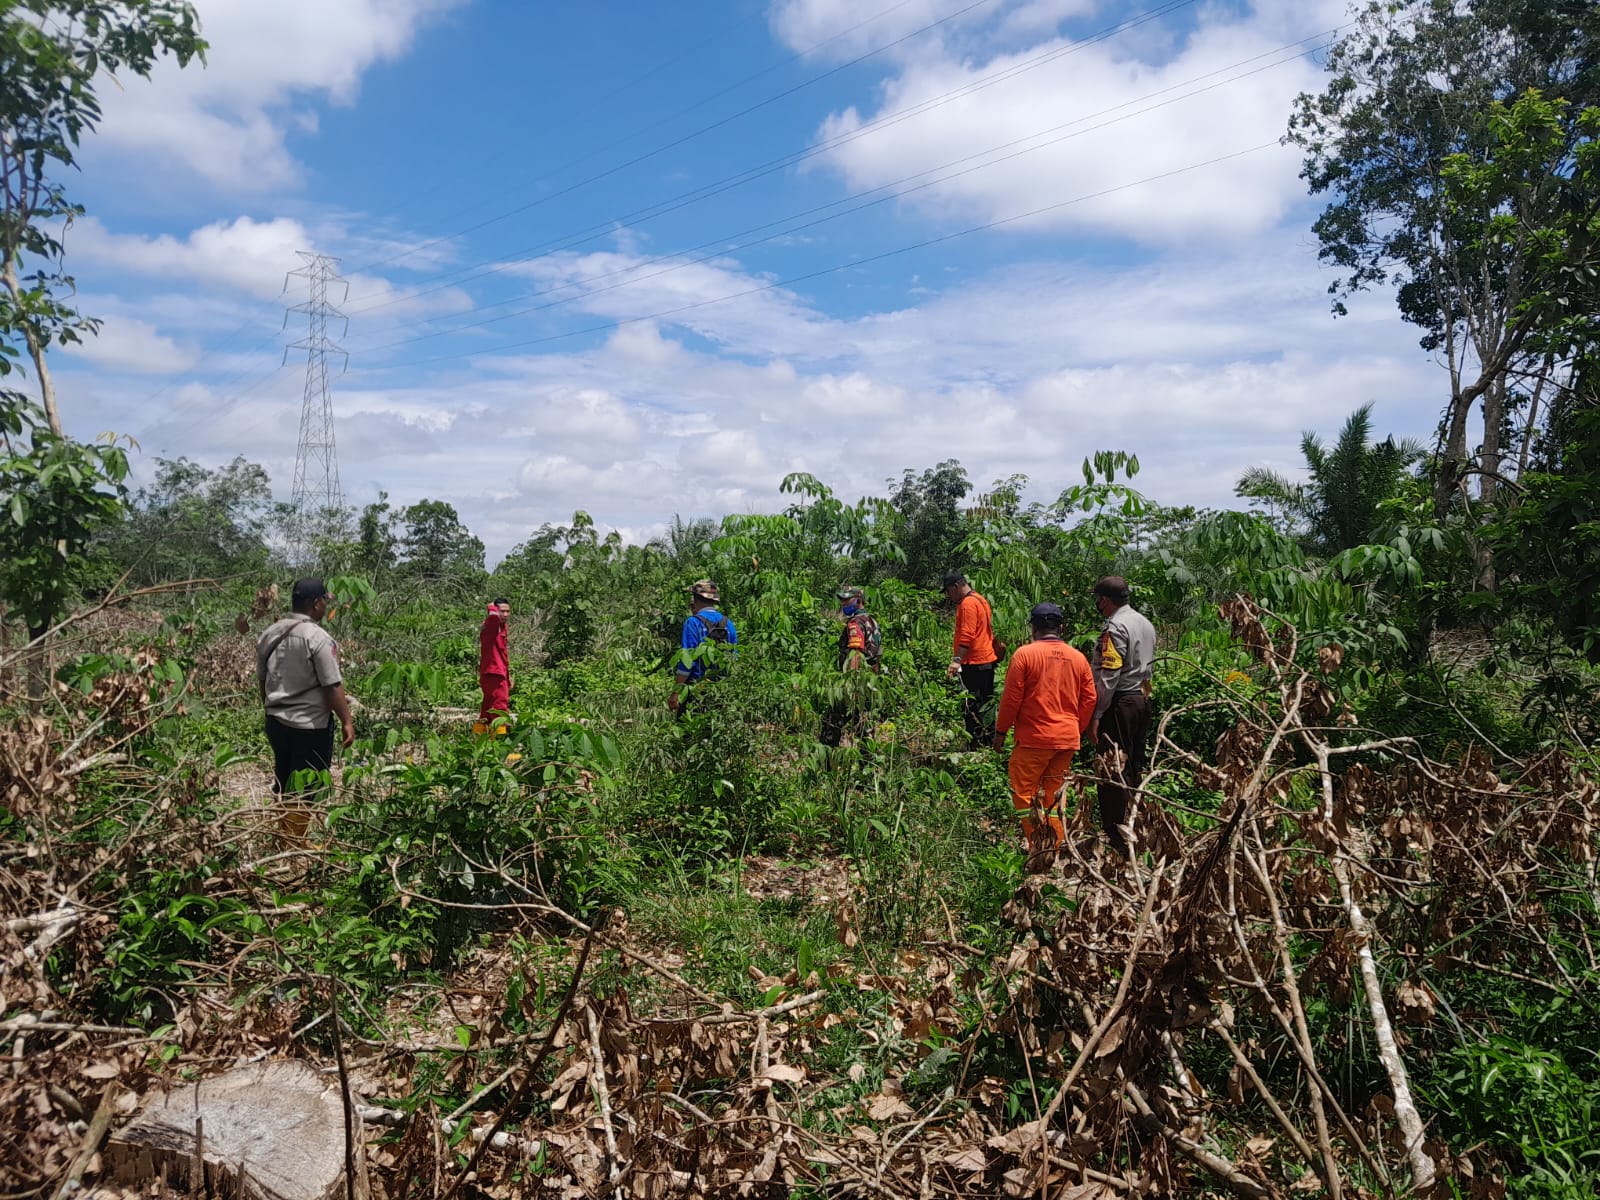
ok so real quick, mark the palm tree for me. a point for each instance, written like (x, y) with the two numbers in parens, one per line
(1338, 506)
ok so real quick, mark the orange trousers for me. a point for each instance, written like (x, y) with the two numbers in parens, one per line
(1037, 774)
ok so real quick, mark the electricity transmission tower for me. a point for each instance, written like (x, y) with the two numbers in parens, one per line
(316, 463)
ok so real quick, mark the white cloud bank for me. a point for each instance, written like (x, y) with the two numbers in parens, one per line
(1034, 124)
(226, 122)
(1200, 372)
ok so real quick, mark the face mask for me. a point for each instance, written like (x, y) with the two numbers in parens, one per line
(850, 609)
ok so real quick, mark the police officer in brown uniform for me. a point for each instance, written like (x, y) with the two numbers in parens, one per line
(302, 690)
(1123, 662)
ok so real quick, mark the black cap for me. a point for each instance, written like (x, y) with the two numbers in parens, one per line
(953, 579)
(308, 590)
(1046, 614)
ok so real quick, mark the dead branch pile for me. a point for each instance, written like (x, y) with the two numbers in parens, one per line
(1162, 1023)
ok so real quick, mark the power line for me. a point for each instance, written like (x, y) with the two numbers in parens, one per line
(728, 183)
(705, 129)
(629, 137)
(722, 247)
(845, 266)
(460, 275)
(446, 180)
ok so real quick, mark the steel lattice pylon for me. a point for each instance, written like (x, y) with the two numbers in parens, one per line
(316, 462)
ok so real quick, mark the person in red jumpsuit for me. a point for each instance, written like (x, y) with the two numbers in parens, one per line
(494, 665)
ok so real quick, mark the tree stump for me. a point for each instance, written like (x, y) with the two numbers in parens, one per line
(269, 1131)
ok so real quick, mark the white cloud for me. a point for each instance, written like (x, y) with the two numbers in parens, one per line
(844, 29)
(225, 122)
(251, 257)
(1094, 116)
(243, 255)
(129, 344)
(1029, 369)
(759, 318)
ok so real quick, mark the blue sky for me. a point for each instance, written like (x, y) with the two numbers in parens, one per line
(645, 259)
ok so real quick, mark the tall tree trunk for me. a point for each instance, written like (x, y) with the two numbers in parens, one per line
(47, 389)
(38, 666)
(1454, 460)
(1532, 423)
(1494, 411)
(1494, 415)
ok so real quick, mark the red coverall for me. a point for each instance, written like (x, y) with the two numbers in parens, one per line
(494, 666)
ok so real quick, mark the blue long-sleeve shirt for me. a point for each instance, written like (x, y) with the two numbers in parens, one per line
(696, 629)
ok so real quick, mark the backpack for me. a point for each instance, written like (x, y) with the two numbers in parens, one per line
(716, 631)
(871, 636)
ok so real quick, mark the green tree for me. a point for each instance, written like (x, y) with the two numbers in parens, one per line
(931, 526)
(1546, 538)
(686, 541)
(55, 494)
(52, 53)
(436, 544)
(376, 542)
(1340, 505)
(1412, 90)
(195, 522)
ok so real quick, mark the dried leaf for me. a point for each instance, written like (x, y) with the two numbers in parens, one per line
(1113, 1037)
(844, 918)
(968, 1158)
(887, 1108)
(784, 1073)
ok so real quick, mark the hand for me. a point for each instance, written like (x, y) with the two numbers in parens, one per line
(953, 670)
(1094, 733)
(349, 735)
(672, 701)
(999, 742)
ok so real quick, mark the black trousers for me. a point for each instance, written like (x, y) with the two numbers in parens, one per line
(978, 682)
(1126, 725)
(298, 750)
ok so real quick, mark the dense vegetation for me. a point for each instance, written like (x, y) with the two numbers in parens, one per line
(613, 949)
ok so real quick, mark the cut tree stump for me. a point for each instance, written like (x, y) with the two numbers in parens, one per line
(269, 1131)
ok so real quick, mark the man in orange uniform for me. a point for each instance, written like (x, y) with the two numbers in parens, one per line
(1049, 698)
(974, 657)
(494, 666)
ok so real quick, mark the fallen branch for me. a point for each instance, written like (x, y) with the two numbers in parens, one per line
(734, 1018)
(1195, 1152)
(50, 927)
(393, 1118)
(1114, 1011)
(533, 1068)
(602, 1095)
(1405, 1108)
(27, 1023)
(98, 1125)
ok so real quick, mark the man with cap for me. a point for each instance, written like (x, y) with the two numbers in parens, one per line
(302, 690)
(1049, 699)
(705, 623)
(975, 655)
(1123, 661)
(860, 645)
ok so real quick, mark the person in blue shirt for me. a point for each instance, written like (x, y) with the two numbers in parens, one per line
(705, 622)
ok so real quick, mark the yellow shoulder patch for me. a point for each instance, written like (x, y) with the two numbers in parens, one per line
(1110, 660)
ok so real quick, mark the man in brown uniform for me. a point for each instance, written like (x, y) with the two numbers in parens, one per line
(1123, 662)
(297, 668)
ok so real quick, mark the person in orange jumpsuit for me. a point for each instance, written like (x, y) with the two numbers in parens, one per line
(1049, 699)
(494, 665)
